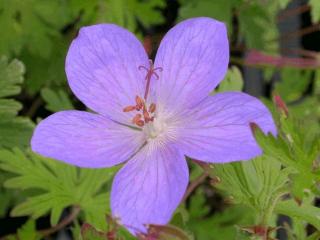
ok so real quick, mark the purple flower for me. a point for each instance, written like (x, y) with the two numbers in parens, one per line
(151, 116)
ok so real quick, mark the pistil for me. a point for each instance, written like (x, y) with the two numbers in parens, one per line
(150, 72)
(141, 103)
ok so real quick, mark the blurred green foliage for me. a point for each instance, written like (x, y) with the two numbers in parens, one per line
(35, 35)
(15, 130)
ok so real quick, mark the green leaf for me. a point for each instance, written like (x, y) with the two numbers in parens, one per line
(257, 183)
(293, 84)
(167, 233)
(151, 9)
(31, 24)
(232, 81)
(315, 10)
(220, 10)
(88, 232)
(15, 131)
(46, 72)
(126, 13)
(11, 77)
(308, 111)
(297, 149)
(304, 212)
(274, 147)
(258, 25)
(218, 225)
(256, 18)
(198, 207)
(180, 217)
(122, 233)
(314, 236)
(9, 108)
(87, 10)
(5, 199)
(28, 231)
(284, 3)
(58, 186)
(56, 100)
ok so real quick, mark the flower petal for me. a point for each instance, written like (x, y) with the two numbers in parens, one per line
(85, 139)
(219, 130)
(102, 69)
(194, 56)
(148, 189)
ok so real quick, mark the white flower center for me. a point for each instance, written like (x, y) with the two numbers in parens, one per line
(155, 128)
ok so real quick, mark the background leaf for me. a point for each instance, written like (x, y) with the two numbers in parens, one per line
(15, 131)
(58, 186)
(56, 100)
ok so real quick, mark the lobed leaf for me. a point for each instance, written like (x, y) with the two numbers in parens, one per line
(15, 131)
(56, 100)
(304, 212)
(58, 186)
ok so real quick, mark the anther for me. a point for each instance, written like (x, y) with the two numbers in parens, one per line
(146, 115)
(136, 118)
(129, 108)
(139, 102)
(140, 123)
(152, 108)
(149, 119)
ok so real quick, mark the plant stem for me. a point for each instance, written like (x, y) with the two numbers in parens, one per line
(46, 232)
(34, 107)
(66, 221)
(196, 182)
(301, 32)
(292, 12)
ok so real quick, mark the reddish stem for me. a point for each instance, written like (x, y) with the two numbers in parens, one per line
(301, 32)
(66, 221)
(194, 184)
(200, 179)
(292, 12)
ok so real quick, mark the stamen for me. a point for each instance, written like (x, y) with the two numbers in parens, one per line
(140, 103)
(129, 108)
(136, 118)
(152, 108)
(146, 115)
(140, 123)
